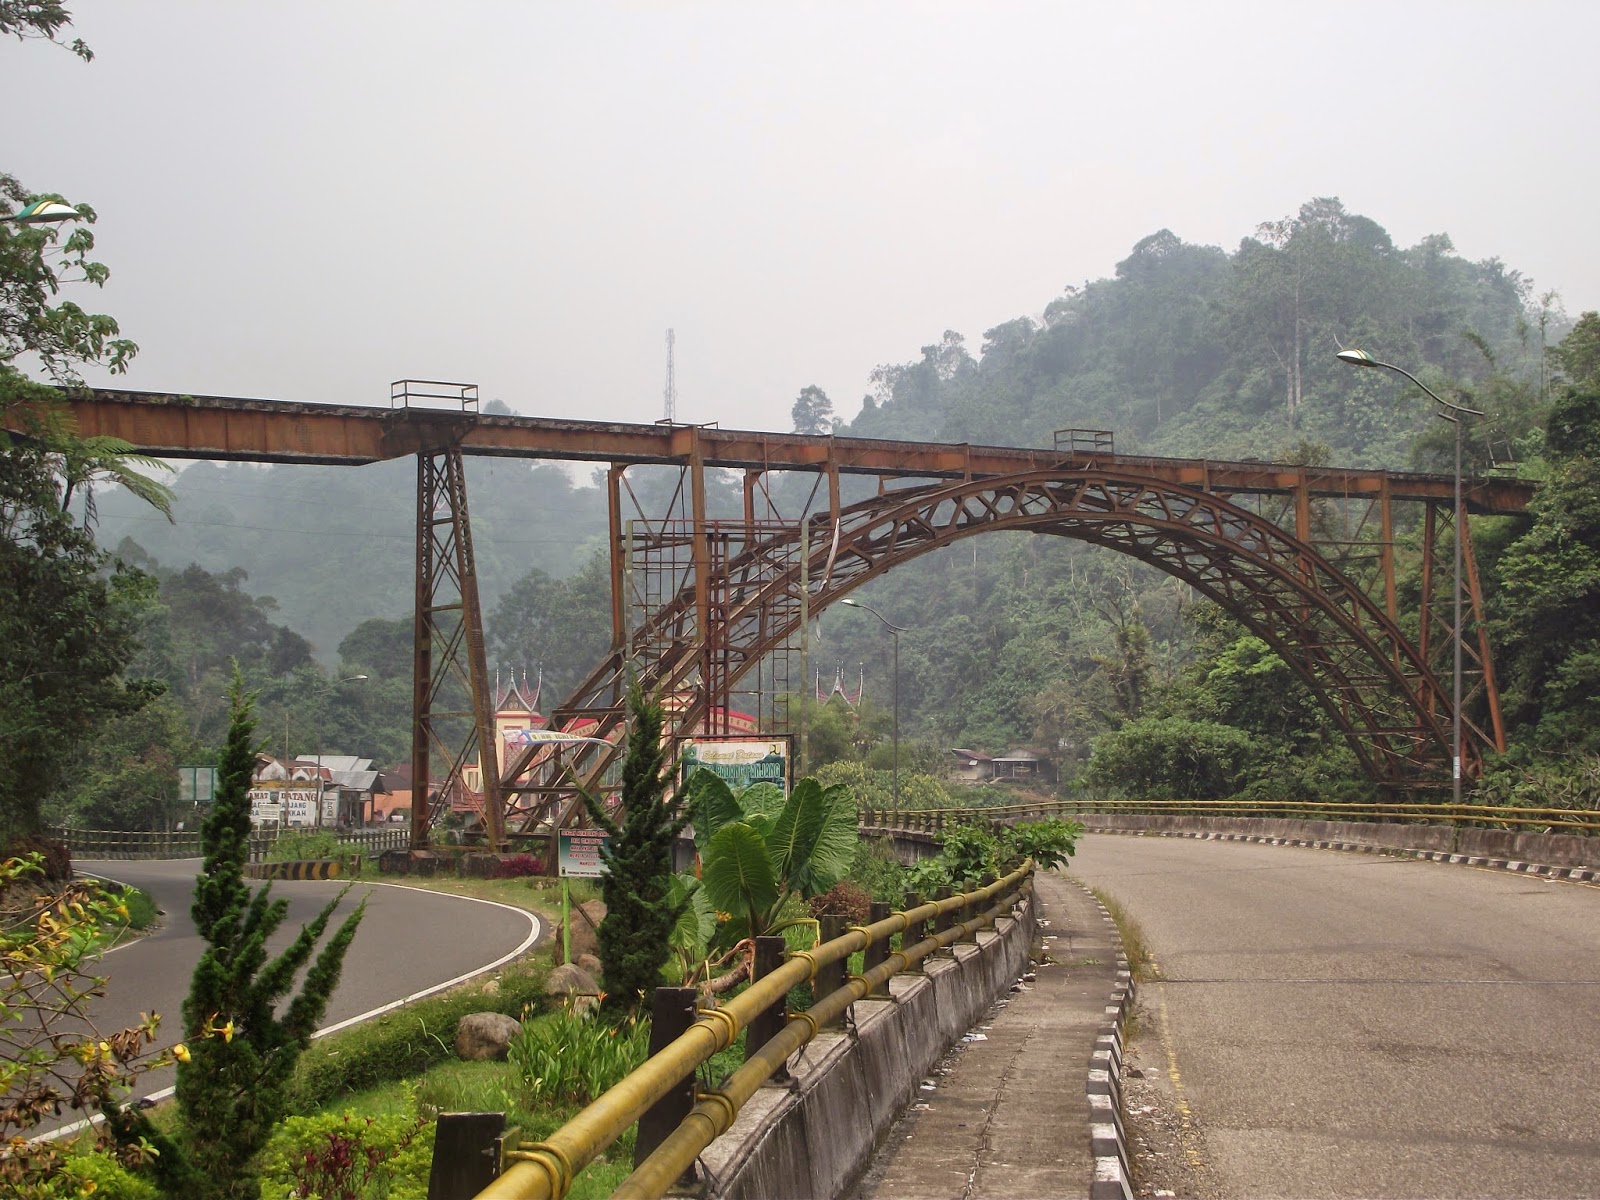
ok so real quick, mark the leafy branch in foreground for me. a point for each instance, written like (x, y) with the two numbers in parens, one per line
(51, 1054)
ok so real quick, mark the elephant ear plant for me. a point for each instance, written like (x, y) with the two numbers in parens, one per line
(762, 854)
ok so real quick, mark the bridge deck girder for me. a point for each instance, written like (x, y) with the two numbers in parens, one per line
(173, 425)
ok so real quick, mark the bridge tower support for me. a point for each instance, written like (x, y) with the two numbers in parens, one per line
(451, 707)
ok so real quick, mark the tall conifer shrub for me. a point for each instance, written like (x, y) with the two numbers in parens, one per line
(636, 934)
(233, 1090)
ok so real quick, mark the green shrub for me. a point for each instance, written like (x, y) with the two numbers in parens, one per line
(97, 1173)
(298, 845)
(1049, 843)
(568, 1057)
(406, 1042)
(846, 899)
(342, 1156)
(519, 866)
(878, 871)
(970, 853)
(140, 905)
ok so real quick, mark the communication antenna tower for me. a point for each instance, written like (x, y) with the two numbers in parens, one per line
(670, 392)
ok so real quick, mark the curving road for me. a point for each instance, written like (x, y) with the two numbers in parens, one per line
(411, 941)
(1346, 1025)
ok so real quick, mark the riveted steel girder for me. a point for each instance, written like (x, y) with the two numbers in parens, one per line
(176, 425)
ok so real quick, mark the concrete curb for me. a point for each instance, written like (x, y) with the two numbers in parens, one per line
(1108, 1139)
(1578, 874)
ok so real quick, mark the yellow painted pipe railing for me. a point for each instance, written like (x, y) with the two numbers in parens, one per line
(715, 1111)
(1573, 820)
(545, 1170)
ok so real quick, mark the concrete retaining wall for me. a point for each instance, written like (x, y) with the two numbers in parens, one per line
(1556, 849)
(815, 1136)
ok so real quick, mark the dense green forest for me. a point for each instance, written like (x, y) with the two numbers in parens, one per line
(305, 574)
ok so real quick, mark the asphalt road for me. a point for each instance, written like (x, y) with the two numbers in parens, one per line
(1345, 1025)
(411, 941)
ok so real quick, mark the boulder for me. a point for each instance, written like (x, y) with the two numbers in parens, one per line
(586, 919)
(485, 1035)
(591, 964)
(575, 985)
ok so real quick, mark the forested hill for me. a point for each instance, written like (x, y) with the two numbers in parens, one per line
(1010, 640)
(1184, 351)
(1190, 350)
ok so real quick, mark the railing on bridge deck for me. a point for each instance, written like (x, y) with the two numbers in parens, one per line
(545, 1170)
(935, 820)
(121, 843)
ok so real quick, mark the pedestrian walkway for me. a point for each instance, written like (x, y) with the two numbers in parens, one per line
(1010, 1118)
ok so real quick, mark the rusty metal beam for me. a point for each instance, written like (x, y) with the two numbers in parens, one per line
(224, 427)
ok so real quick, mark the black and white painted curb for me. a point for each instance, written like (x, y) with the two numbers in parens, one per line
(1108, 1139)
(1545, 870)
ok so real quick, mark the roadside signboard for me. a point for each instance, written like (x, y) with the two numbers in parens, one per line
(299, 807)
(196, 785)
(580, 853)
(740, 761)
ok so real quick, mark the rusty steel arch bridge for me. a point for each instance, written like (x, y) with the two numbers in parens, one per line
(1304, 557)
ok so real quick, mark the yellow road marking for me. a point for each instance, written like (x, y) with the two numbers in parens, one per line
(1185, 1116)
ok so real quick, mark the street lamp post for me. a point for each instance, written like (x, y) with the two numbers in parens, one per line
(894, 631)
(43, 212)
(1455, 415)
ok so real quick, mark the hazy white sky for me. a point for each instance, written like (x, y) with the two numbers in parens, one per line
(307, 200)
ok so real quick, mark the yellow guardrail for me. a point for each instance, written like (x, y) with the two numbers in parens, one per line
(1575, 820)
(545, 1170)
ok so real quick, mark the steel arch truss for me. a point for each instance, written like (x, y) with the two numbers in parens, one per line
(1351, 653)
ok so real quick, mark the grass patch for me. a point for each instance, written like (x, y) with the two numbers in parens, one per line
(299, 845)
(141, 916)
(404, 1043)
(1133, 944)
(452, 1086)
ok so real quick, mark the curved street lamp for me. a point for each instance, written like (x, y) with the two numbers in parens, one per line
(895, 631)
(43, 212)
(1455, 413)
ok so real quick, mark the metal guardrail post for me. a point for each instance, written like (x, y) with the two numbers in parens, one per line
(463, 1154)
(916, 930)
(878, 952)
(968, 910)
(945, 919)
(766, 1026)
(671, 1013)
(830, 976)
